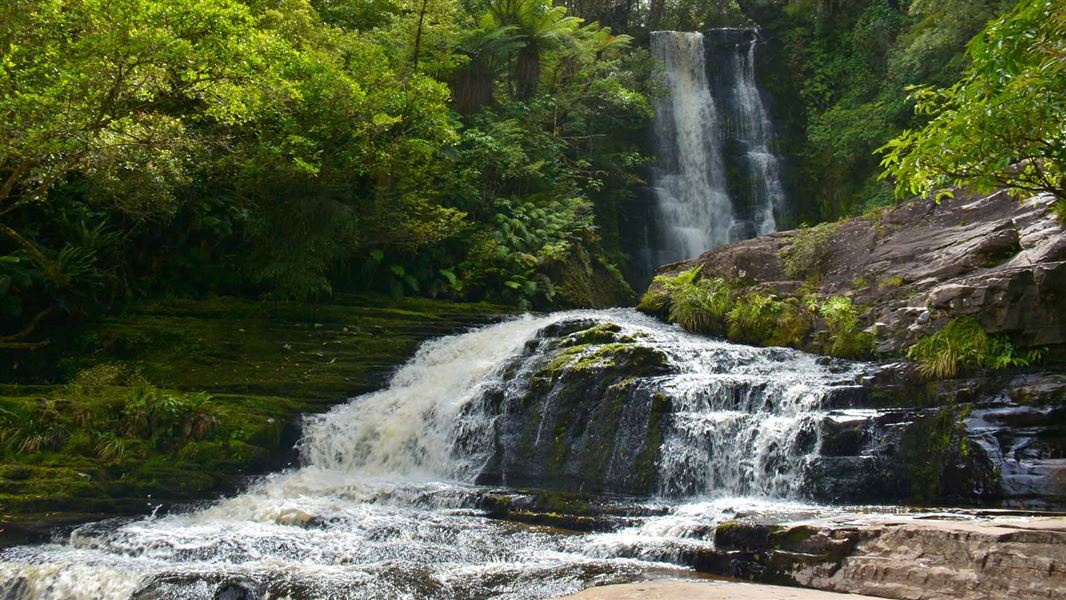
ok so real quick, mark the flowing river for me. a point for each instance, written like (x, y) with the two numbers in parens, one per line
(386, 505)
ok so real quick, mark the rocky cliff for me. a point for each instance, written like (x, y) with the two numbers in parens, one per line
(976, 282)
(916, 266)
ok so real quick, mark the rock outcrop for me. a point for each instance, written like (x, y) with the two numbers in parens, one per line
(915, 266)
(939, 557)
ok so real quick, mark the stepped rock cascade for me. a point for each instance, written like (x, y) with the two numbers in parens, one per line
(716, 179)
(516, 418)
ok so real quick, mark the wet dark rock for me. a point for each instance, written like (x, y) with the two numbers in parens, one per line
(587, 422)
(237, 590)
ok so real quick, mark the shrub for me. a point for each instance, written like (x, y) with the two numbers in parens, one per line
(964, 344)
(657, 299)
(701, 306)
(150, 412)
(810, 250)
(753, 318)
(794, 322)
(842, 320)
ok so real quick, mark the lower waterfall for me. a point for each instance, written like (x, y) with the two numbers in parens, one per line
(391, 499)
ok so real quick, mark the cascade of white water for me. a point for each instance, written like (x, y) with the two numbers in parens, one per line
(754, 126)
(368, 515)
(695, 122)
(408, 429)
(694, 209)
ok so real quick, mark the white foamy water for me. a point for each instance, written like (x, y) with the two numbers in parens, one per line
(696, 123)
(384, 506)
(695, 212)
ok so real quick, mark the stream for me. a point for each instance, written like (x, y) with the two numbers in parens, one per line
(385, 504)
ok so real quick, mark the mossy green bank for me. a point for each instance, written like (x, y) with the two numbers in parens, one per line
(176, 400)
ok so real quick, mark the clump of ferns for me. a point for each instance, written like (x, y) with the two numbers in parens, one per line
(963, 344)
(702, 306)
(658, 299)
(153, 413)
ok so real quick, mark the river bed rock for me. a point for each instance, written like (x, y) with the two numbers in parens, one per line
(936, 557)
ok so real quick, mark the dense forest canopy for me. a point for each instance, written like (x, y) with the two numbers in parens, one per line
(471, 149)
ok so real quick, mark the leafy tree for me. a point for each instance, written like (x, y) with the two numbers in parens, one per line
(98, 88)
(541, 27)
(1004, 123)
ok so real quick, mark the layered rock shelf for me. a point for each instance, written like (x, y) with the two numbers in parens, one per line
(938, 557)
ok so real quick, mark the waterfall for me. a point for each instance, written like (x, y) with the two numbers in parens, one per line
(716, 180)
(694, 209)
(391, 499)
(754, 130)
(385, 504)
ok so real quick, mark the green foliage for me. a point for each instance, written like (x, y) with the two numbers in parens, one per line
(963, 344)
(842, 319)
(1059, 210)
(809, 251)
(754, 317)
(656, 300)
(701, 306)
(838, 72)
(1002, 124)
(714, 306)
(301, 148)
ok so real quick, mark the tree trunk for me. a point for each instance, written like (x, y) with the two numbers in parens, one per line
(418, 33)
(527, 72)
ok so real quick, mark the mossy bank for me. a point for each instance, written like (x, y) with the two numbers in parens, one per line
(176, 400)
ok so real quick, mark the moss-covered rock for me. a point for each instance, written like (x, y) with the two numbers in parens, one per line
(588, 420)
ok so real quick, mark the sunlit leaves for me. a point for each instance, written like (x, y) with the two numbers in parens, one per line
(1003, 124)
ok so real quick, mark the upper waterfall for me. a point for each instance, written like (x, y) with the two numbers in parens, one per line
(716, 180)
(694, 210)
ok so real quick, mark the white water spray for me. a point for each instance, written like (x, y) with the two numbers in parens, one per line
(694, 127)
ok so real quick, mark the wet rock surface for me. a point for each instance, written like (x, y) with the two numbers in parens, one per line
(592, 407)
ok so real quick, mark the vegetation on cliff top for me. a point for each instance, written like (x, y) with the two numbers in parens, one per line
(296, 149)
(829, 325)
(962, 345)
(1002, 124)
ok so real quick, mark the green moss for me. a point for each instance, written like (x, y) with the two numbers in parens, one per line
(646, 464)
(228, 376)
(842, 320)
(603, 333)
(633, 358)
(889, 283)
(929, 446)
(810, 250)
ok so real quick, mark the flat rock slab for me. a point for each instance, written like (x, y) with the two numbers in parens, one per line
(690, 590)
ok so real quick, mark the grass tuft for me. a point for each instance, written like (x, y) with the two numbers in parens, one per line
(963, 344)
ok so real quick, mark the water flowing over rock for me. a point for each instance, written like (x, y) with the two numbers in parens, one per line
(716, 179)
(655, 437)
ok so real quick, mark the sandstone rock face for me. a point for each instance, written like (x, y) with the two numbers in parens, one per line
(937, 558)
(919, 264)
